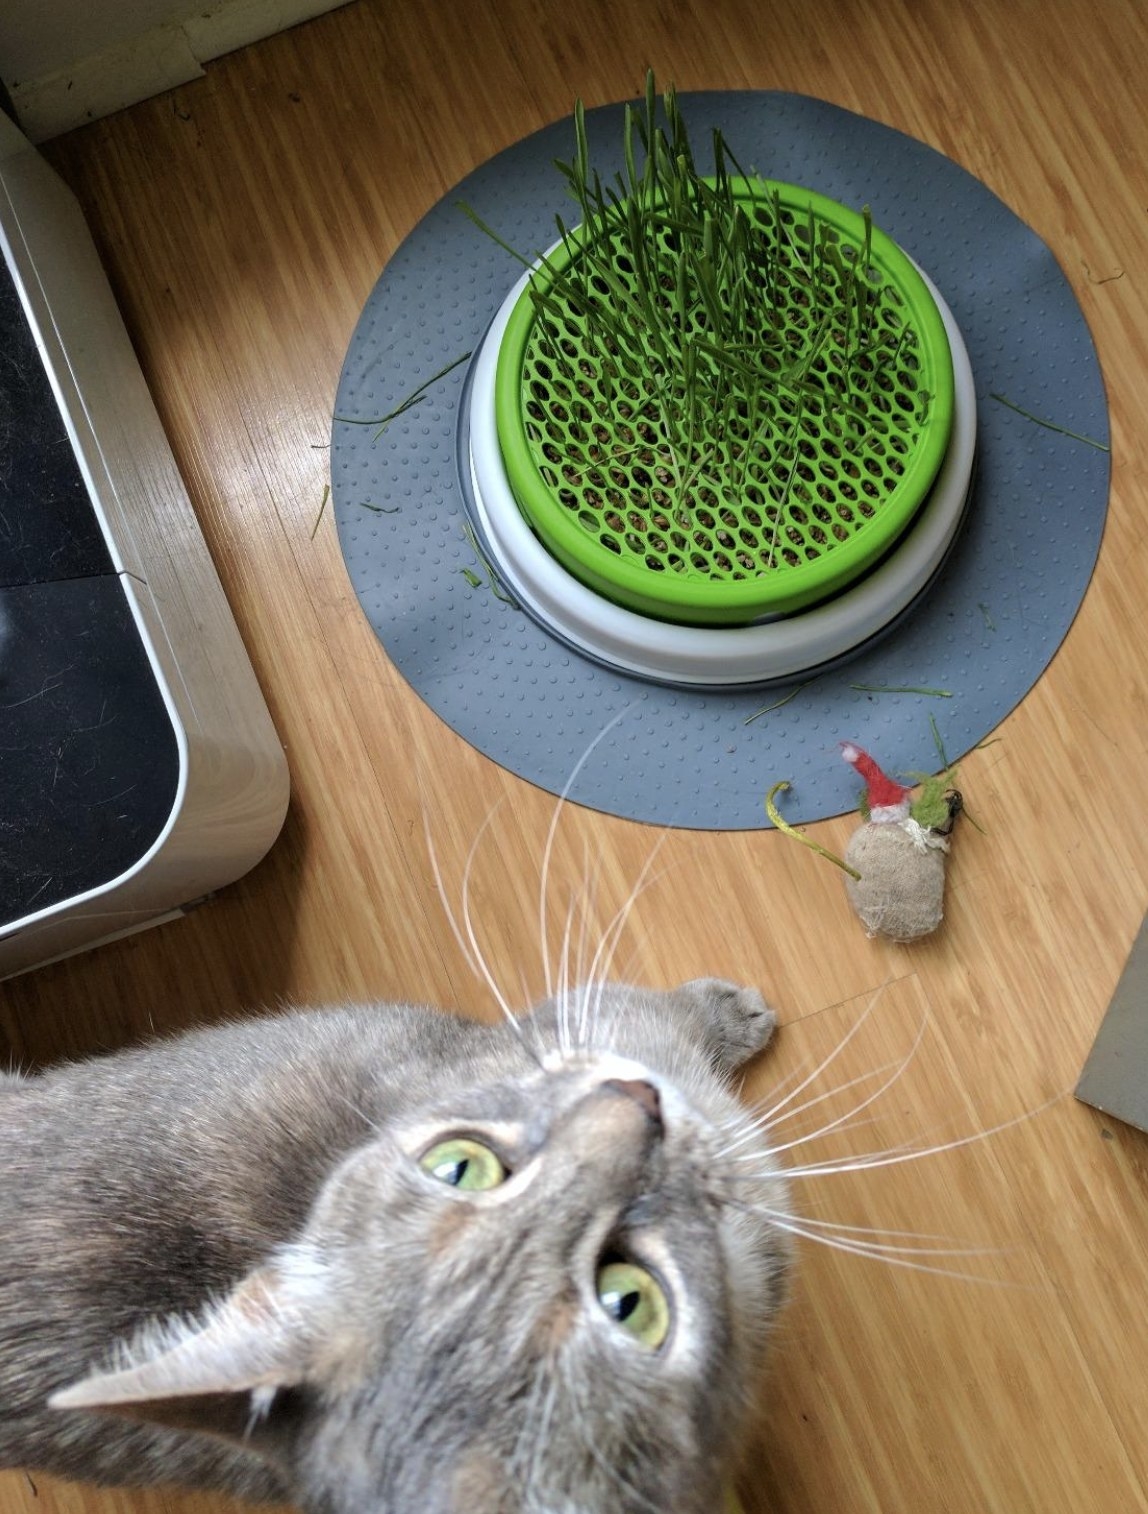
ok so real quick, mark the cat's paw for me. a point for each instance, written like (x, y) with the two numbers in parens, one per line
(738, 1022)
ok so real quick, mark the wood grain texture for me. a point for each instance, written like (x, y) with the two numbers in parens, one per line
(243, 219)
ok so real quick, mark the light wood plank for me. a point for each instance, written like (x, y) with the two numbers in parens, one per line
(244, 219)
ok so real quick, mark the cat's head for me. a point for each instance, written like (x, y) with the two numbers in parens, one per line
(545, 1294)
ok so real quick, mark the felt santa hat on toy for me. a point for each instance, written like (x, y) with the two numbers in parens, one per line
(888, 801)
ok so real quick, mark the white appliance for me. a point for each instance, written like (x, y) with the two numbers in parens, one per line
(139, 769)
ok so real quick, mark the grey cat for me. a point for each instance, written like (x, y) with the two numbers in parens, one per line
(390, 1260)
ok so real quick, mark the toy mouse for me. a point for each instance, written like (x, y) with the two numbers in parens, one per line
(896, 859)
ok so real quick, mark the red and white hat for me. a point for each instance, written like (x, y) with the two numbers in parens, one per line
(887, 800)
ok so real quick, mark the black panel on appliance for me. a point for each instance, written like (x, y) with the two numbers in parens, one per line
(89, 763)
(48, 529)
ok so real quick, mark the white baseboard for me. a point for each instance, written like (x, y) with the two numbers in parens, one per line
(150, 63)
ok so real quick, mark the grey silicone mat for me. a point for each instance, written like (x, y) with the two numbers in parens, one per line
(985, 631)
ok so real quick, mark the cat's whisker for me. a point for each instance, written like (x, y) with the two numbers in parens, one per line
(899, 1235)
(892, 1258)
(753, 1156)
(880, 1249)
(562, 990)
(816, 1135)
(746, 1127)
(745, 1119)
(771, 1171)
(848, 1124)
(468, 944)
(551, 834)
(597, 974)
(563, 982)
(755, 1128)
(769, 1115)
(524, 987)
(833, 1093)
(532, 1051)
(870, 1160)
(607, 947)
(756, 1131)
(625, 969)
(444, 898)
(591, 876)
(938, 1246)
(898, 1072)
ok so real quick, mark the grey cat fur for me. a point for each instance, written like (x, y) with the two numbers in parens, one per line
(219, 1254)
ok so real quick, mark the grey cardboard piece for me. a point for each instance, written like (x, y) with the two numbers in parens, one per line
(1115, 1076)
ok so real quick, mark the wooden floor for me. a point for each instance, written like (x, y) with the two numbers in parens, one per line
(243, 219)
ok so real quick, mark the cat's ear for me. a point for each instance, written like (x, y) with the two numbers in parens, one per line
(216, 1375)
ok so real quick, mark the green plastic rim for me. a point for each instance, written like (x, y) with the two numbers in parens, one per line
(796, 526)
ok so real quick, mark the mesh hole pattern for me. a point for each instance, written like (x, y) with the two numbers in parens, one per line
(812, 440)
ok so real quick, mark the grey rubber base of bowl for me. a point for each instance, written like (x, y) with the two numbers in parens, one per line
(985, 631)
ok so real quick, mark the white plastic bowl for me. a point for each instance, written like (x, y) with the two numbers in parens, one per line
(713, 656)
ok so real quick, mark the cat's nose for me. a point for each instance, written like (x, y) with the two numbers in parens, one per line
(642, 1093)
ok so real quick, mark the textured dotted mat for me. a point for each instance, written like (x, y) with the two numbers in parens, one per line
(986, 629)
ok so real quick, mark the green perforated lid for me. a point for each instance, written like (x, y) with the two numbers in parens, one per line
(830, 422)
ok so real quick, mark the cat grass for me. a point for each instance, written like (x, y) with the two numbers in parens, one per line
(718, 395)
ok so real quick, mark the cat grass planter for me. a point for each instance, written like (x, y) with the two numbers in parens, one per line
(795, 489)
(723, 431)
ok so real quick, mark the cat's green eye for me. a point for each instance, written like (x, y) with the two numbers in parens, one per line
(464, 1163)
(636, 1301)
